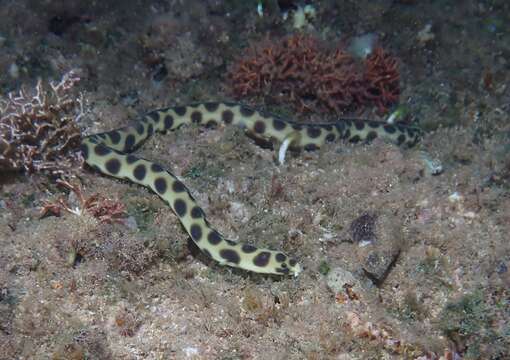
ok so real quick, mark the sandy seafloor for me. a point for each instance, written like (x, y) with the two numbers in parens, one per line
(433, 283)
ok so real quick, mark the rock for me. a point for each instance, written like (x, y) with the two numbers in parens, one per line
(380, 238)
(363, 229)
(378, 263)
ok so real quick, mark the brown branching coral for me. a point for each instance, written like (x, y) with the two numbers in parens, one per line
(382, 79)
(105, 210)
(302, 71)
(38, 129)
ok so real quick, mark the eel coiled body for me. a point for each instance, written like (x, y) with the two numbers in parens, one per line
(109, 154)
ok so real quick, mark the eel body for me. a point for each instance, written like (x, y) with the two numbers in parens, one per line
(109, 153)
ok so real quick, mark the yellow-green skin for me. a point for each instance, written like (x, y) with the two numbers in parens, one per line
(107, 152)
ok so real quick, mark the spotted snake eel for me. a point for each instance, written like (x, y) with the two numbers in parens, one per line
(108, 153)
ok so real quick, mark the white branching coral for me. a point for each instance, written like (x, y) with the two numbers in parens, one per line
(38, 128)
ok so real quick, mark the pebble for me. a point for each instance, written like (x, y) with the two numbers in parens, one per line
(425, 35)
(13, 71)
(501, 268)
(338, 277)
(362, 46)
(433, 166)
(130, 223)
